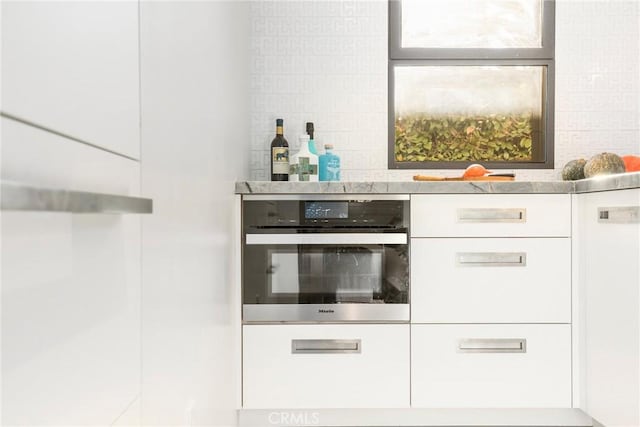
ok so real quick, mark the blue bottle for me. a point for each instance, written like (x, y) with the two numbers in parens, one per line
(329, 165)
(312, 143)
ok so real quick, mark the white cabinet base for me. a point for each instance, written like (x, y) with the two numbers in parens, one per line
(414, 417)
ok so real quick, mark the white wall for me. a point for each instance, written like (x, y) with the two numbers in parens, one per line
(598, 78)
(194, 145)
(326, 61)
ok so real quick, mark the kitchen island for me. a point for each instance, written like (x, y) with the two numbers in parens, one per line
(524, 295)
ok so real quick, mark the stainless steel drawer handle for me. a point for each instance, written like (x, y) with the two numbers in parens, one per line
(19, 197)
(619, 215)
(328, 239)
(326, 346)
(492, 345)
(491, 259)
(492, 215)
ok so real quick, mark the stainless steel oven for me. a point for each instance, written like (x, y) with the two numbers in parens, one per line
(325, 258)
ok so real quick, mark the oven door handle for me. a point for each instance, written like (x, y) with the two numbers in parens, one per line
(328, 239)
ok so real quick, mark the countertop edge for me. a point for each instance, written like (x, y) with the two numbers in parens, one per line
(626, 181)
(383, 187)
(605, 183)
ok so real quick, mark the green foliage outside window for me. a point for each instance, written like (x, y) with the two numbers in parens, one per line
(421, 137)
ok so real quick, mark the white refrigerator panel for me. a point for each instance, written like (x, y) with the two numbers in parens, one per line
(70, 288)
(72, 67)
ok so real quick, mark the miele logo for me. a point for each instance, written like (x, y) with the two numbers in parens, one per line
(325, 310)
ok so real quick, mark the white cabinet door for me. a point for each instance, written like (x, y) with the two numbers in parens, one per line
(491, 366)
(70, 288)
(491, 215)
(609, 277)
(73, 67)
(482, 280)
(326, 366)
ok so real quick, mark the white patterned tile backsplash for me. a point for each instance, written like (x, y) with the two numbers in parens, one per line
(326, 61)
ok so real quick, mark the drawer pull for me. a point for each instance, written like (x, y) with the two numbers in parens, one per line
(491, 259)
(492, 345)
(619, 215)
(326, 346)
(492, 215)
(20, 197)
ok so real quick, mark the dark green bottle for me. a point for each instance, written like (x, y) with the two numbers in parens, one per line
(279, 155)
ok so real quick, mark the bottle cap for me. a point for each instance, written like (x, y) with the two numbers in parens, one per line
(310, 129)
(328, 146)
(279, 122)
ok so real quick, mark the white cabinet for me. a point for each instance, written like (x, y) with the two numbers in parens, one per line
(73, 67)
(518, 280)
(70, 288)
(325, 366)
(491, 215)
(498, 266)
(609, 277)
(491, 366)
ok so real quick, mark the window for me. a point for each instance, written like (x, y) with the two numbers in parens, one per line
(471, 81)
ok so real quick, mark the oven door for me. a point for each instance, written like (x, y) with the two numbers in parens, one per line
(326, 277)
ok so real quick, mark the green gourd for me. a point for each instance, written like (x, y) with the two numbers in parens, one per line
(604, 164)
(574, 170)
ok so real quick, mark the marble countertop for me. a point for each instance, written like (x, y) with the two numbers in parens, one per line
(606, 183)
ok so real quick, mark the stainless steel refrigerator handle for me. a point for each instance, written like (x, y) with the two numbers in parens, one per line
(19, 197)
(492, 215)
(327, 239)
(491, 259)
(492, 345)
(326, 346)
(619, 215)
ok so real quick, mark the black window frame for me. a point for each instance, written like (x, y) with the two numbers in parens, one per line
(542, 56)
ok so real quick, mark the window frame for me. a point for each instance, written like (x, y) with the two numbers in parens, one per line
(542, 56)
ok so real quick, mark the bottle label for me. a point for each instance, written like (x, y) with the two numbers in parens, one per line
(305, 169)
(280, 160)
(333, 169)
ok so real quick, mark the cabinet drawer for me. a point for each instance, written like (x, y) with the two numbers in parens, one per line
(325, 366)
(491, 366)
(521, 280)
(491, 215)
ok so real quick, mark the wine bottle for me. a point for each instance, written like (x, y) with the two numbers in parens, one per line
(279, 155)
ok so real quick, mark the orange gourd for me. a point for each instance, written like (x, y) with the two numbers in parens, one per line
(631, 163)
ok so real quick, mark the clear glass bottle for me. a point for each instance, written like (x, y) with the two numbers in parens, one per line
(329, 165)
